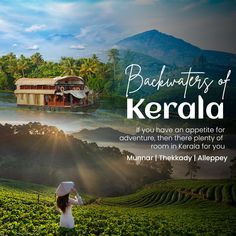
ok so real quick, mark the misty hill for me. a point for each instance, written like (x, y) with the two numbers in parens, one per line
(171, 50)
(106, 134)
(45, 155)
(151, 66)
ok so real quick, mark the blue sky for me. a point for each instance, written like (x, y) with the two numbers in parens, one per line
(58, 28)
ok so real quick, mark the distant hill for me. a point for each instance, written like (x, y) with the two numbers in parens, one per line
(171, 50)
(106, 134)
(151, 66)
(220, 58)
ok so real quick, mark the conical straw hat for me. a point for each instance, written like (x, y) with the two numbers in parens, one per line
(64, 188)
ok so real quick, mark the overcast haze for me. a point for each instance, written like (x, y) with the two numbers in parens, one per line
(58, 28)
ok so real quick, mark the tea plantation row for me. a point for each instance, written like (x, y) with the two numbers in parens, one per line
(142, 213)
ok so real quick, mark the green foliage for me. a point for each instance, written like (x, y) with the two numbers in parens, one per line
(211, 193)
(3, 80)
(170, 191)
(96, 73)
(113, 58)
(22, 214)
(69, 66)
(233, 167)
(227, 194)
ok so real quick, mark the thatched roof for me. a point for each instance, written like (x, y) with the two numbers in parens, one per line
(35, 81)
(45, 81)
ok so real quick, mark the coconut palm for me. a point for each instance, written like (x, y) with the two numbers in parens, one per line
(37, 59)
(89, 67)
(69, 66)
(113, 58)
(8, 64)
(22, 65)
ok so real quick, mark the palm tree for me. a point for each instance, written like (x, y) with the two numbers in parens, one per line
(103, 70)
(69, 66)
(3, 80)
(113, 58)
(22, 65)
(95, 58)
(8, 64)
(37, 59)
(89, 67)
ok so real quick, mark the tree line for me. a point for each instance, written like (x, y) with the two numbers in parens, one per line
(103, 77)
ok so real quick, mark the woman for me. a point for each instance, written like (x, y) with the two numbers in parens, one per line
(65, 203)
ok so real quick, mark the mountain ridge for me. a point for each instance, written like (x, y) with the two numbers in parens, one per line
(172, 50)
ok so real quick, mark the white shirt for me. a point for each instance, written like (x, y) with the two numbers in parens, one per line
(66, 219)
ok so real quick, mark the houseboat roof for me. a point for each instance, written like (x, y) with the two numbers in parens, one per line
(46, 81)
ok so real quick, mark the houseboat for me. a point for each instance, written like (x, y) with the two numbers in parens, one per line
(54, 94)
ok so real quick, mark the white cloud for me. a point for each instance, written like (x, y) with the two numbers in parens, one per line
(6, 27)
(63, 10)
(100, 34)
(83, 32)
(14, 45)
(35, 28)
(145, 2)
(107, 7)
(33, 47)
(77, 47)
(193, 5)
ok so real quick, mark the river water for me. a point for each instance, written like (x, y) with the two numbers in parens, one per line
(67, 121)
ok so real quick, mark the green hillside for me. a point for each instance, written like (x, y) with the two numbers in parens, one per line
(179, 192)
(173, 207)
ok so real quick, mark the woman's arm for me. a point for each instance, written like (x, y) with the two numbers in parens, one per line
(77, 200)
